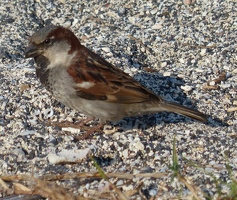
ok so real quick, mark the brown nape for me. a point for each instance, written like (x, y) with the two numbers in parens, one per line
(66, 34)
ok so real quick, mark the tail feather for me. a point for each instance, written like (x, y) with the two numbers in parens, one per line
(182, 110)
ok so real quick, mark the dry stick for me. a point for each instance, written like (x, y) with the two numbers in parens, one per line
(67, 176)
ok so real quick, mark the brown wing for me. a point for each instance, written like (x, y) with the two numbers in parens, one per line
(96, 79)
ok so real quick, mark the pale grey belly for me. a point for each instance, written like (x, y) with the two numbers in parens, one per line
(62, 88)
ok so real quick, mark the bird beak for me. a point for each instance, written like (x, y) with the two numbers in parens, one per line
(32, 51)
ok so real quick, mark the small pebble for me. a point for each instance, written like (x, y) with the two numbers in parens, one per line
(189, 2)
(121, 11)
(27, 132)
(203, 52)
(125, 153)
(163, 64)
(48, 112)
(224, 86)
(209, 170)
(186, 88)
(199, 70)
(212, 83)
(106, 49)
(19, 152)
(181, 75)
(212, 162)
(138, 145)
(119, 183)
(166, 74)
(152, 192)
(181, 60)
(157, 26)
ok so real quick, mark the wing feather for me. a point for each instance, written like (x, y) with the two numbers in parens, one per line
(108, 82)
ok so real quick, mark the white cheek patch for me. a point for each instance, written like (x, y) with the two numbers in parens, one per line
(58, 55)
(85, 85)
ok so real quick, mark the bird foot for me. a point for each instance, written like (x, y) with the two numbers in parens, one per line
(88, 132)
(79, 125)
(65, 124)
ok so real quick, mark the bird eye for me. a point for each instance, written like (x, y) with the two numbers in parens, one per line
(47, 42)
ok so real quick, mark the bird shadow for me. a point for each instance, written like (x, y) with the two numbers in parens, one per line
(169, 88)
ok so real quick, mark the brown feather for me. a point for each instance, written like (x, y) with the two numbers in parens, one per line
(109, 82)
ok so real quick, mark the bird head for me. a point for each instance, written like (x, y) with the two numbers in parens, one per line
(55, 43)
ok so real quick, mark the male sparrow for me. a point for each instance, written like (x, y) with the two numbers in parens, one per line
(84, 81)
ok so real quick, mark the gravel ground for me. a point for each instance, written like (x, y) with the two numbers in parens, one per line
(185, 53)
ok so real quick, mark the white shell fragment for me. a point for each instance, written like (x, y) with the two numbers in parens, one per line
(212, 83)
(73, 155)
(166, 74)
(157, 26)
(106, 49)
(186, 88)
(48, 113)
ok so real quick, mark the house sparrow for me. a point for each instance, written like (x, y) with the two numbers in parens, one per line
(84, 81)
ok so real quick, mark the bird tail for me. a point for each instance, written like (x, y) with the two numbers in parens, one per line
(182, 110)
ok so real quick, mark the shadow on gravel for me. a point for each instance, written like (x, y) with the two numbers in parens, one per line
(169, 88)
